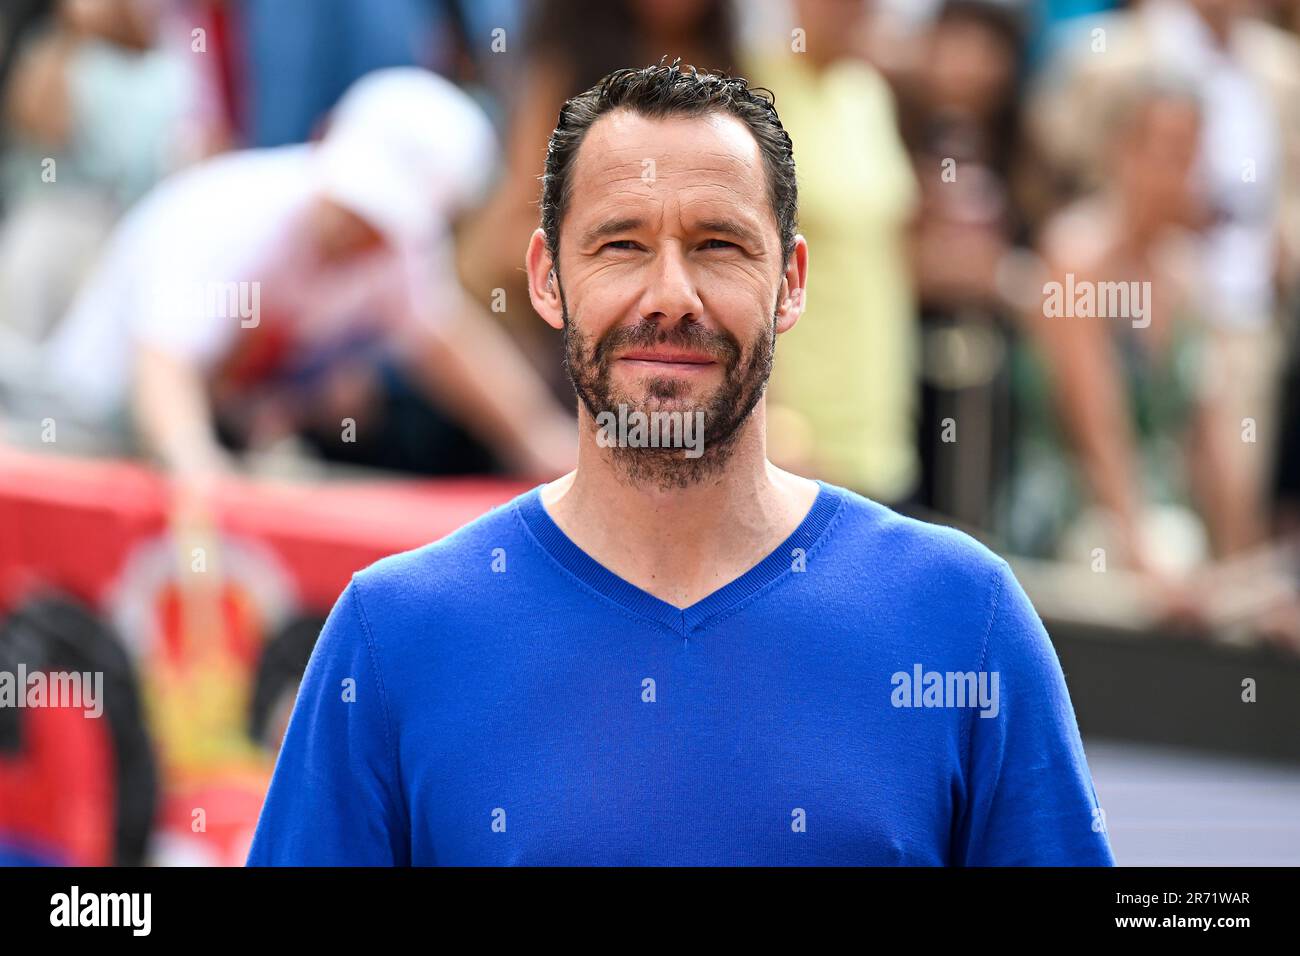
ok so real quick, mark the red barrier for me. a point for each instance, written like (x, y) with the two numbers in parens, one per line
(72, 522)
(99, 531)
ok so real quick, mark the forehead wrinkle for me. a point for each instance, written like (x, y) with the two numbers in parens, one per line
(667, 167)
(722, 192)
(665, 188)
(716, 162)
(613, 181)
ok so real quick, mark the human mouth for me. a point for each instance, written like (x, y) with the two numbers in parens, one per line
(668, 360)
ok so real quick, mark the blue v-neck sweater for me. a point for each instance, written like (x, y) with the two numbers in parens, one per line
(876, 691)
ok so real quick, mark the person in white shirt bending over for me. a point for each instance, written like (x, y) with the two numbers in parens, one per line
(228, 289)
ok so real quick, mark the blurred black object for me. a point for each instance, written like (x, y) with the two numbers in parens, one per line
(284, 661)
(405, 432)
(1286, 485)
(55, 633)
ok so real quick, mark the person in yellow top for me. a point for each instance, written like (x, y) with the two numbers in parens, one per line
(842, 399)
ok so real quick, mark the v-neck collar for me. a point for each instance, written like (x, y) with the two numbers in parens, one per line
(595, 575)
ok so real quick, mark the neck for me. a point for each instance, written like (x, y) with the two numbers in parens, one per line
(680, 544)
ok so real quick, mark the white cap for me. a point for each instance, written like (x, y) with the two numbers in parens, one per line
(407, 150)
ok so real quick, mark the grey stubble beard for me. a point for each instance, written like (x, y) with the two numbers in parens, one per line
(666, 469)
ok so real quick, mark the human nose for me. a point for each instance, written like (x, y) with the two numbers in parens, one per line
(670, 293)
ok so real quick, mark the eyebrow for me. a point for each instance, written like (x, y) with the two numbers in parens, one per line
(731, 228)
(611, 227)
(726, 227)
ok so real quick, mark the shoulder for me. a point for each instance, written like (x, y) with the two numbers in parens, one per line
(895, 550)
(444, 571)
(939, 588)
(866, 81)
(1077, 234)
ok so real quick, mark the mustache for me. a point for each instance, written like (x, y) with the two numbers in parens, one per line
(646, 334)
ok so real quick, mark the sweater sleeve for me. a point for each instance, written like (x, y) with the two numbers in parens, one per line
(1029, 797)
(334, 798)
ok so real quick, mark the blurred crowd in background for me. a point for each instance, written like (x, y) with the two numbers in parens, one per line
(172, 167)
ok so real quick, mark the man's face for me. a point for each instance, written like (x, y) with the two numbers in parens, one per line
(670, 279)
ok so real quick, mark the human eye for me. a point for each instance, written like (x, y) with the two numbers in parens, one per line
(721, 244)
(620, 244)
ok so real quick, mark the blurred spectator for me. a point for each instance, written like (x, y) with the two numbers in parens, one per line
(1129, 385)
(1247, 74)
(841, 400)
(97, 107)
(569, 46)
(267, 286)
(960, 112)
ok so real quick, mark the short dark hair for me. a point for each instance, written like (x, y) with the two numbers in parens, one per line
(658, 92)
